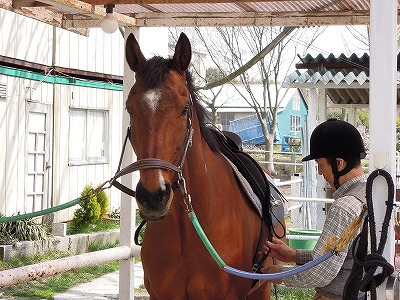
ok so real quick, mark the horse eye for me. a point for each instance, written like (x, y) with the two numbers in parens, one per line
(184, 111)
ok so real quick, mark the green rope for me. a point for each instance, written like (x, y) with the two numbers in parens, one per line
(41, 212)
(206, 241)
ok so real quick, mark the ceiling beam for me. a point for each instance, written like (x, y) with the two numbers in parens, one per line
(98, 2)
(26, 3)
(95, 12)
(250, 19)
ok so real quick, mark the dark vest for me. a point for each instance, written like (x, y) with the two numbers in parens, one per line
(335, 288)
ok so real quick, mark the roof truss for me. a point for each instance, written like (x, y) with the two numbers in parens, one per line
(78, 15)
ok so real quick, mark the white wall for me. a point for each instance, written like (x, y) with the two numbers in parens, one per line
(30, 40)
(12, 135)
(25, 38)
(99, 52)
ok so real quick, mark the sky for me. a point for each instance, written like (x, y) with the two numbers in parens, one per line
(335, 39)
(338, 39)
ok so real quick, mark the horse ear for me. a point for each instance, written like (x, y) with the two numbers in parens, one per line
(134, 55)
(183, 53)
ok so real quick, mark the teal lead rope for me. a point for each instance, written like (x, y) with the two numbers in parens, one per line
(221, 263)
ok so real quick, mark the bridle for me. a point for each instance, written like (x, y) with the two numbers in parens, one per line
(154, 163)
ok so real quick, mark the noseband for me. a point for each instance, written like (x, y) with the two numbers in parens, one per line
(154, 163)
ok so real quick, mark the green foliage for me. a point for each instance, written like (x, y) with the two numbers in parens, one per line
(92, 207)
(102, 199)
(21, 230)
(363, 117)
(87, 228)
(115, 214)
(288, 293)
(334, 114)
(97, 246)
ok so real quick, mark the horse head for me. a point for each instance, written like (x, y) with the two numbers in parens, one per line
(159, 106)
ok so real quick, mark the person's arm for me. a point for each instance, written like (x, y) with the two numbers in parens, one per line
(278, 249)
(336, 222)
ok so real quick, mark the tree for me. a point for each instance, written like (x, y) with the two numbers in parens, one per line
(248, 55)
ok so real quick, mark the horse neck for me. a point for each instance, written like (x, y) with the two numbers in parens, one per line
(197, 168)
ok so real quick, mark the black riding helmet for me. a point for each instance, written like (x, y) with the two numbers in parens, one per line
(336, 139)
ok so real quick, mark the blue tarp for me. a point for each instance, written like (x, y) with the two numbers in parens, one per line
(249, 130)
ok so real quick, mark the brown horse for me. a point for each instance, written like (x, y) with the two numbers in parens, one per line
(181, 153)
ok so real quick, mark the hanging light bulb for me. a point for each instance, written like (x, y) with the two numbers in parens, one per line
(109, 24)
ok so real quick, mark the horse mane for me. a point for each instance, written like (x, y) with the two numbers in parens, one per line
(153, 72)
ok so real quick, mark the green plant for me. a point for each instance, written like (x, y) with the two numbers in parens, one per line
(93, 207)
(102, 199)
(22, 230)
(115, 214)
(102, 225)
(289, 293)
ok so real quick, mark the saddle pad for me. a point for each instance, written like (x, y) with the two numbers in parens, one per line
(278, 201)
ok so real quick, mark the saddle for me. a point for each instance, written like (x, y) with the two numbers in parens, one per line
(231, 148)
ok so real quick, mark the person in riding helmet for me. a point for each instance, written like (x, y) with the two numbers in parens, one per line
(338, 148)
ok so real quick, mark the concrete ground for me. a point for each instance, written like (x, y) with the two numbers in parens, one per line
(105, 287)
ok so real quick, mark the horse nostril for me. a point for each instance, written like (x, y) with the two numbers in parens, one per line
(153, 200)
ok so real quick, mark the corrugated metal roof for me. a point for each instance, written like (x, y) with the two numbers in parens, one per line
(345, 78)
(76, 14)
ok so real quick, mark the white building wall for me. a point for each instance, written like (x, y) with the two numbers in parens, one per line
(69, 180)
(33, 41)
(99, 52)
(25, 38)
(13, 136)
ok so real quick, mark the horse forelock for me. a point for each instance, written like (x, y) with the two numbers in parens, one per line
(153, 71)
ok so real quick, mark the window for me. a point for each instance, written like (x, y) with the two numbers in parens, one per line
(295, 123)
(225, 118)
(296, 104)
(88, 143)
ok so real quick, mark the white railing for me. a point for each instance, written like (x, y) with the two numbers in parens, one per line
(294, 163)
(125, 254)
(66, 264)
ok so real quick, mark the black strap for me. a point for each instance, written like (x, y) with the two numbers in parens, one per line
(124, 188)
(350, 164)
(375, 259)
(369, 280)
(137, 233)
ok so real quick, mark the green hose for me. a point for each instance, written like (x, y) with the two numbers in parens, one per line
(205, 240)
(41, 212)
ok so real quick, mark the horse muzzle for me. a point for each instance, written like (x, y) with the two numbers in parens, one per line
(153, 205)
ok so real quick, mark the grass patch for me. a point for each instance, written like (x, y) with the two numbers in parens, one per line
(48, 287)
(288, 293)
(88, 228)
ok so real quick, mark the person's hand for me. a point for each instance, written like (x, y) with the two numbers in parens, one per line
(273, 269)
(279, 250)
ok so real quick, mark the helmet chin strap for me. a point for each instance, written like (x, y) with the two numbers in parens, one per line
(336, 173)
